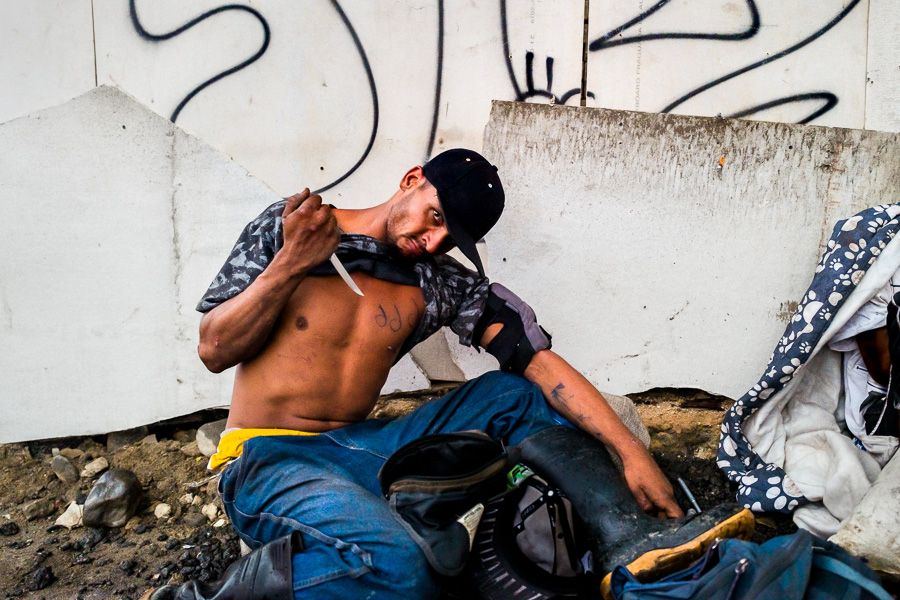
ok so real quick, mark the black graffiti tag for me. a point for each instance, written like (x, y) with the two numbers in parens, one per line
(259, 53)
(829, 100)
(195, 21)
(530, 90)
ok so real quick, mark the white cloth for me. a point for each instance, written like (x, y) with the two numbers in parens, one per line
(800, 428)
(873, 530)
(858, 384)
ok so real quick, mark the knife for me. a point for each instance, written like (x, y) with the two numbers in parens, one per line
(336, 263)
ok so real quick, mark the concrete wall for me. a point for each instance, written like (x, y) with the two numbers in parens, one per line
(306, 112)
(665, 250)
(344, 96)
(735, 58)
(883, 59)
(97, 294)
(113, 223)
(304, 108)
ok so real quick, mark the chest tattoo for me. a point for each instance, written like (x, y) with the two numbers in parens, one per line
(389, 318)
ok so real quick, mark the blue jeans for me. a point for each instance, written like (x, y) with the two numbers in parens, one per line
(326, 488)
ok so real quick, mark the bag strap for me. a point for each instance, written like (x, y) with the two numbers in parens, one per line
(552, 498)
(833, 565)
(568, 534)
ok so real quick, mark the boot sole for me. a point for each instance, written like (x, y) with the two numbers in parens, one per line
(665, 561)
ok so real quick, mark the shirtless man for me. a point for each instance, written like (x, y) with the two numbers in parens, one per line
(312, 357)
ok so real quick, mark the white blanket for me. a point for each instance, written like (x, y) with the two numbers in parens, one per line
(801, 430)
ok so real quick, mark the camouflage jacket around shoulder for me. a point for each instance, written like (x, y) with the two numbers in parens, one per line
(454, 295)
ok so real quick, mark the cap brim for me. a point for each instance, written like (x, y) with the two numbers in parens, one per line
(464, 242)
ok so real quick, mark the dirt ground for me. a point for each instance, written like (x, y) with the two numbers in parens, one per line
(40, 560)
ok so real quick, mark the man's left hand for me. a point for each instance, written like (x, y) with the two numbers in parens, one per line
(649, 486)
(576, 399)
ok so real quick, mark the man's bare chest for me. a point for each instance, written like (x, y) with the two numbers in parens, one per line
(323, 310)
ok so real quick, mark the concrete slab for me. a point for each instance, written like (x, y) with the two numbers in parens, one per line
(665, 250)
(113, 222)
(883, 77)
(48, 54)
(723, 57)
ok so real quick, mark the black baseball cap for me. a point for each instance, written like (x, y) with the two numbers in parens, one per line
(470, 194)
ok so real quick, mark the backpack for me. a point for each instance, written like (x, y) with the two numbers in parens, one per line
(799, 566)
(526, 546)
(436, 487)
(543, 526)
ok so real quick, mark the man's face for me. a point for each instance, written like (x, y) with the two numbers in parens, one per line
(416, 226)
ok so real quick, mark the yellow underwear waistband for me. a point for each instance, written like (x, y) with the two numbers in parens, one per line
(231, 444)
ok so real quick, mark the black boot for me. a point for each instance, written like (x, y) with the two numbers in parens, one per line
(264, 574)
(618, 531)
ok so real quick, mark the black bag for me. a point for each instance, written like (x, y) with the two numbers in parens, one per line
(437, 486)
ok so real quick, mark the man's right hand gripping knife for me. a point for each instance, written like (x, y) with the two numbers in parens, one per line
(521, 337)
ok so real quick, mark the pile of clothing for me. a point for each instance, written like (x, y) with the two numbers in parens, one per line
(815, 432)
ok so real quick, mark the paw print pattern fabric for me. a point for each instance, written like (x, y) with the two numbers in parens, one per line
(855, 245)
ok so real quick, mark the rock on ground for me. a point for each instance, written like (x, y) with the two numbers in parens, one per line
(113, 499)
(162, 510)
(195, 519)
(208, 436)
(9, 528)
(64, 469)
(95, 467)
(38, 509)
(184, 435)
(71, 453)
(192, 449)
(73, 517)
(210, 510)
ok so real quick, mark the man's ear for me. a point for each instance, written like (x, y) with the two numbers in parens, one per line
(412, 178)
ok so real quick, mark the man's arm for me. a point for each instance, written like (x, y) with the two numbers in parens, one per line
(524, 348)
(876, 355)
(575, 398)
(237, 329)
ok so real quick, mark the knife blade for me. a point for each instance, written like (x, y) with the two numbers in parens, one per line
(336, 263)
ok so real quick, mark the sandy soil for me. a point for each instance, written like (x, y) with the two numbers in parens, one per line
(42, 561)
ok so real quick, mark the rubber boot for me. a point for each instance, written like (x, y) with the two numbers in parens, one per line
(618, 531)
(264, 574)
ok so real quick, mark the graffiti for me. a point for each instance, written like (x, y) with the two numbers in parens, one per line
(372, 89)
(765, 61)
(528, 88)
(262, 50)
(530, 91)
(435, 113)
(830, 102)
(195, 21)
(829, 99)
(606, 40)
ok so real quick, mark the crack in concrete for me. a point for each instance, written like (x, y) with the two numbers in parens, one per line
(176, 237)
(680, 310)
(94, 41)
